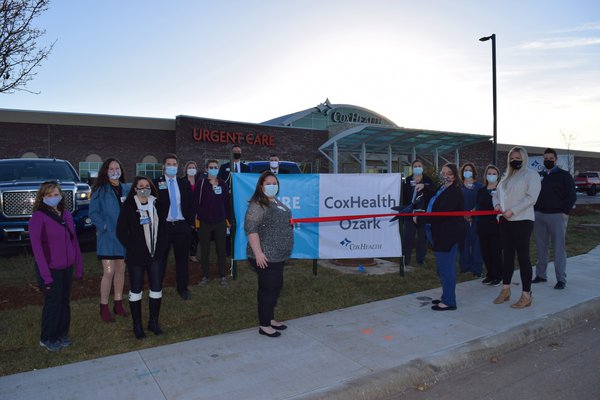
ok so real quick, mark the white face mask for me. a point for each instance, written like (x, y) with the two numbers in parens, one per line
(115, 175)
(192, 171)
(274, 164)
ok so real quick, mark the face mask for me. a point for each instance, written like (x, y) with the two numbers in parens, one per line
(271, 190)
(237, 156)
(212, 172)
(192, 172)
(145, 192)
(468, 174)
(418, 171)
(171, 170)
(52, 201)
(274, 164)
(492, 178)
(115, 175)
(549, 164)
(516, 164)
(445, 179)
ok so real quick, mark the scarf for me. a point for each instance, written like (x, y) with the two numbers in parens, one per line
(150, 229)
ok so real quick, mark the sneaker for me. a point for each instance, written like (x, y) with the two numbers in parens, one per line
(495, 282)
(538, 280)
(487, 281)
(65, 341)
(223, 281)
(203, 281)
(50, 346)
(559, 285)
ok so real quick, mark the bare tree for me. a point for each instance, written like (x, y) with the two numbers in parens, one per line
(20, 53)
(569, 138)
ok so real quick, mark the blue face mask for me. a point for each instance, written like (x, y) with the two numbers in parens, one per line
(52, 201)
(418, 171)
(170, 170)
(271, 190)
(492, 178)
(468, 174)
(212, 172)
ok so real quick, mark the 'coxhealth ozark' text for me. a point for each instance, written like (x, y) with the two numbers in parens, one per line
(361, 202)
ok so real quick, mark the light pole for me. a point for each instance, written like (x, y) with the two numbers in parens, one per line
(495, 137)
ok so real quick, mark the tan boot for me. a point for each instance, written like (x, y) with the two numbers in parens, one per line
(503, 296)
(524, 301)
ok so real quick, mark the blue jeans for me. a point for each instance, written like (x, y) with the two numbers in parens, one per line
(446, 265)
(470, 254)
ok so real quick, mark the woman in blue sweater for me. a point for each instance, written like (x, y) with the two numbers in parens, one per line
(108, 193)
(470, 259)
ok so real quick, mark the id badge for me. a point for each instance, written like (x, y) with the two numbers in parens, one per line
(144, 218)
(162, 185)
(217, 189)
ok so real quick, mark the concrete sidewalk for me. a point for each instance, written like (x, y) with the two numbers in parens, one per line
(359, 352)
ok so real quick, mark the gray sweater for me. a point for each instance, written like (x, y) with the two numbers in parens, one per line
(272, 224)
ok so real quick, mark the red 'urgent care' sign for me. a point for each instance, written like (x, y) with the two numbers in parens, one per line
(217, 136)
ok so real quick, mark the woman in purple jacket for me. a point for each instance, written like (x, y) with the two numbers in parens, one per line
(56, 251)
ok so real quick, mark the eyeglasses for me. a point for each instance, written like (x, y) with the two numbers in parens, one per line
(144, 187)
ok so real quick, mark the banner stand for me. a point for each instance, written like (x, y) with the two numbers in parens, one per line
(314, 266)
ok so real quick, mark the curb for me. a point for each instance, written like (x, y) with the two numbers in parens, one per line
(429, 370)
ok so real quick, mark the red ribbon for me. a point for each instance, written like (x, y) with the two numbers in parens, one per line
(417, 214)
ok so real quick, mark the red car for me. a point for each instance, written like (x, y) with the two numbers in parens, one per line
(588, 181)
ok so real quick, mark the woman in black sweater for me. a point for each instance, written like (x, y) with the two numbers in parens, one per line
(144, 239)
(445, 233)
(488, 228)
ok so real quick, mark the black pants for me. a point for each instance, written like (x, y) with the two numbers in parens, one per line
(270, 283)
(491, 251)
(408, 240)
(515, 239)
(179, 236)
(194, 243)
(219, 231)
(155, 276)
(56, 314)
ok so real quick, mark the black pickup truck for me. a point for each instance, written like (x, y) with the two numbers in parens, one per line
(20, 178)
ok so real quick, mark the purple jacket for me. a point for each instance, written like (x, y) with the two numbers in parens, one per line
(52, 245)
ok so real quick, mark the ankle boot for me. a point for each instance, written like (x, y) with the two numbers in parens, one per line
(105, 313)
(136, 315)
(524, 301)
(503, 296)
(118, 308)
(154, 307)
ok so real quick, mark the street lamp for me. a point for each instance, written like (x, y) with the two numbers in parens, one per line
(495, 138)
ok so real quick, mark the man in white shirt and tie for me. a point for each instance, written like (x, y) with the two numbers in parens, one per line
(274, 165)
(238, 166)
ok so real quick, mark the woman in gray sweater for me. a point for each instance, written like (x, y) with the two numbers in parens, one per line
(270, 242)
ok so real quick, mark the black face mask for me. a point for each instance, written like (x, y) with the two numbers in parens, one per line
(516, 164)
(549, 164)
(237, 156)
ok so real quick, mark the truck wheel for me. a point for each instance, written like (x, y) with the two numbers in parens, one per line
(593, 190)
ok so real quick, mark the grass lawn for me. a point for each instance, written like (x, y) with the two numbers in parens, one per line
(212, 310)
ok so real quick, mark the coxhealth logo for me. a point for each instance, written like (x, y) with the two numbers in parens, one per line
(360, 246)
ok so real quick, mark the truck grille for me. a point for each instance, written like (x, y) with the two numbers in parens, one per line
(17, 204)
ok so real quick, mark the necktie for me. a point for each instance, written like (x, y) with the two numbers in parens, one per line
(172, 199)
(235, 167)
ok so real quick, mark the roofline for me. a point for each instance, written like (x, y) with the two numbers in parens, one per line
(83, 119)
(540, 150)
(250, 123)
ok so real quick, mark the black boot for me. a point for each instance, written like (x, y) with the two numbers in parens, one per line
(154, 306)
(135, 307)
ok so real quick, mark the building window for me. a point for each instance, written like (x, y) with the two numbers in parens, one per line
(89, 170)
(29, 154)
(151, 170)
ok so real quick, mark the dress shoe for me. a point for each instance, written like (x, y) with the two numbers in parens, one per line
(281, 327)
(537, 279)
(436, 301)
(274, 334)
(524, 301)
(559, 285)
(185, 294)
(503, 296)
(438, 308)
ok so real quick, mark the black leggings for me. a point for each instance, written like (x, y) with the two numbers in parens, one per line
(206, 231)
(515, 238)
(270, 282)
(155, 276)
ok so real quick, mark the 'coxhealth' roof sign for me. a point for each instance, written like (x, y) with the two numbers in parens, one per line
(315, 195)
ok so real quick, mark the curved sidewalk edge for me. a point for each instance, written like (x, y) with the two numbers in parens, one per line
(429, 370)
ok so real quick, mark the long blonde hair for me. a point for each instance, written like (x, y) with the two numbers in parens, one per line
(45, 189)
(510, 171)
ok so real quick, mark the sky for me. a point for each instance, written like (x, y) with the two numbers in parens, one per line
(418, 63)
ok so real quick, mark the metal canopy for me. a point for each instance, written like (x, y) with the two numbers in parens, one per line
(389, 140)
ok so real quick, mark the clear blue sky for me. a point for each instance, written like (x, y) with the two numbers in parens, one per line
(418, 63)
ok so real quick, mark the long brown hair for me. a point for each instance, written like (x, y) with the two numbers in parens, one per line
(45, 189)
(259, 195)
(452, 167)
(103, 173)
